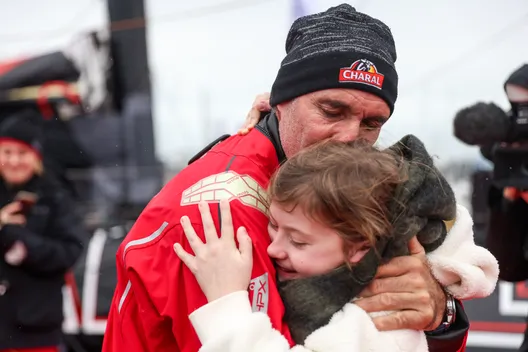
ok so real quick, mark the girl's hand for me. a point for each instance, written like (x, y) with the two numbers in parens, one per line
(218, 265)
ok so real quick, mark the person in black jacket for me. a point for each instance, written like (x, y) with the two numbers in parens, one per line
(508, 222)
(508, 236)
(40, 240)
(508, 232)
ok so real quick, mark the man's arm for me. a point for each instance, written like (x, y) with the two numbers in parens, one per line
(454, 338)
(407, 283)
(134, 325)
(145, 274)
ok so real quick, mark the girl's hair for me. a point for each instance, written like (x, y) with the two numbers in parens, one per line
(346, 186)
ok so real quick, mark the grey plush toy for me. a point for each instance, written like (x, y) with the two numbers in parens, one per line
(420, 207)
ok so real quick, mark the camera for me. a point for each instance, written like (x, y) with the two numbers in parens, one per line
(502, 136)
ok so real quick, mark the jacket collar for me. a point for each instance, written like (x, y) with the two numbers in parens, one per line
(269, 126)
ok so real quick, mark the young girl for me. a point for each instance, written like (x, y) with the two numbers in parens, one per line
(332, 212)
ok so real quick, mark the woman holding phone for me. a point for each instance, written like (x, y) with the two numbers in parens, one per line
(40, 240)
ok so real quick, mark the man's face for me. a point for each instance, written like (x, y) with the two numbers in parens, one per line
(339, 114)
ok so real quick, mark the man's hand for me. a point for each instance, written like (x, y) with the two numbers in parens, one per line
(261, 104)
(405, 285)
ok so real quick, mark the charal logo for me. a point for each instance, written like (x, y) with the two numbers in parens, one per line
(362, 71)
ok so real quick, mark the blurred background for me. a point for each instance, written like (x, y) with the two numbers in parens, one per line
(138, 87)
(209, 58)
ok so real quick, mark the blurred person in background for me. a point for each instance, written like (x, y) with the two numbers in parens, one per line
(508, 224)
(338, 81)
(509, 205)
(40, 240)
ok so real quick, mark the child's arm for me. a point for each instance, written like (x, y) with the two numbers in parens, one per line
(228, 325)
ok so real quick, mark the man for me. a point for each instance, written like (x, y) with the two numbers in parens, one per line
(337, 81)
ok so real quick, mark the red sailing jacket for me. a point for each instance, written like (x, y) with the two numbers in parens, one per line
(155, 292)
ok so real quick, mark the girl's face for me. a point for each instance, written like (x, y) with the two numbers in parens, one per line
(302, 247)
(18, 162)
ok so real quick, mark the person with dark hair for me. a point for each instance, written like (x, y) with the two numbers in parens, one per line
(338, 81)
(40, 240)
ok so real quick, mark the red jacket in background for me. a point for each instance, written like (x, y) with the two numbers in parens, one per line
(155, 292)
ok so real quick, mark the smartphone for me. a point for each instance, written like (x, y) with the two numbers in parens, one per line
(27, 199)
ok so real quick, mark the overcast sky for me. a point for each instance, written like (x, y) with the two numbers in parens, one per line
(451, 53)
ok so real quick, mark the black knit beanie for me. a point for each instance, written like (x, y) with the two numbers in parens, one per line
(338, 48)
(25, 128)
